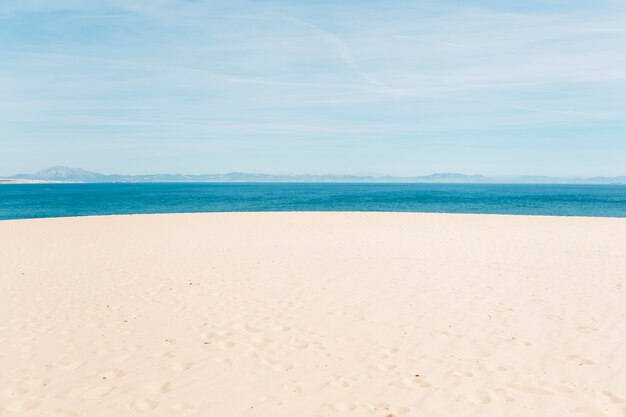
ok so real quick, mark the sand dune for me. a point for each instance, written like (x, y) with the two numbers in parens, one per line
(313, 314)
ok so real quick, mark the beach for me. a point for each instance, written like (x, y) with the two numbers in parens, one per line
(313, 314)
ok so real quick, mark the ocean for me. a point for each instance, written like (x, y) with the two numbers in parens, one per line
(23, 201)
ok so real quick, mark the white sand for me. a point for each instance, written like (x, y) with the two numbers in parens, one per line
(302, 314)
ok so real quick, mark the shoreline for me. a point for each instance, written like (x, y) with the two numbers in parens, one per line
(304, 212)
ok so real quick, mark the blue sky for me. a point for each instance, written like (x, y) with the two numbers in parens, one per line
(393, 87)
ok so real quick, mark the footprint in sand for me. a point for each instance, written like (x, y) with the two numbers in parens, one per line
(181, 366)
(386, 351)
(111, 373)
(615, 399)
(158, 388)
(143, 404)
(223, 345)
(279, 328)
(584, 329)
(479, 397)
(251, 329)
(504, 395)
(464, 374)
(414, 382)
(293, 387)
(387, 410)
(339, 382)
(269, 399)
(283, 367)
(343, 407)
(298, 343)
(276, 365)
(579, 360)
(258, 342)
(493, 368)
(218, 335)
(183, 408)
(23, 405)
(97, 392)
(589, 412)
(383, 366)
(223, 361)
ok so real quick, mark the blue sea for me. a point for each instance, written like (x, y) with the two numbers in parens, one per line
(22, 201)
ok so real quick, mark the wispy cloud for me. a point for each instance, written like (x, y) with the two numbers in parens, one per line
(342, 50)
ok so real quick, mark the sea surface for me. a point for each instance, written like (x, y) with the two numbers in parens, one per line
(22, 201)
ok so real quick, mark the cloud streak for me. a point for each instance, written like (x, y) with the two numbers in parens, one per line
(342, 50)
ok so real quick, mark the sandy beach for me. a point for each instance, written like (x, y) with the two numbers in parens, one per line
(313, 314)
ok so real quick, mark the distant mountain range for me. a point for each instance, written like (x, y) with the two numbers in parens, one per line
(65, 174)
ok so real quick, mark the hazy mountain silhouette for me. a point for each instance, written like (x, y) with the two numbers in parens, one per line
(66, 174)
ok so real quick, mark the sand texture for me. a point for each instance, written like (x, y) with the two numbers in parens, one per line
(313, 314)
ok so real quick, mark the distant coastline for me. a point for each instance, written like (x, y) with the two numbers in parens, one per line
(26, 181)
(62, 174)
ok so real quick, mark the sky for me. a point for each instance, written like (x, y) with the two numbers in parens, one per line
(344, 86)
